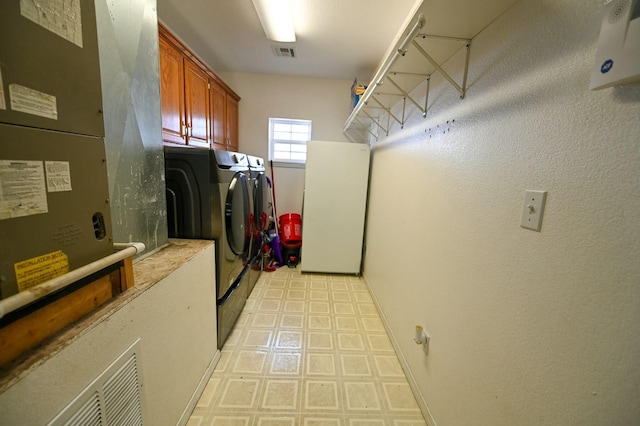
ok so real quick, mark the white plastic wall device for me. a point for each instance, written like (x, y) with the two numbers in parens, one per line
(618, 56)
(422, 338)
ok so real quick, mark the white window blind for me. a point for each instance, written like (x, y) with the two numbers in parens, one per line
(288, 140)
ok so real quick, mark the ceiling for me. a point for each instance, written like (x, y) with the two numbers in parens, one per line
(341, 39)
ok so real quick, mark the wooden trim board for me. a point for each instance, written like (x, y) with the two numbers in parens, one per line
(27, 332)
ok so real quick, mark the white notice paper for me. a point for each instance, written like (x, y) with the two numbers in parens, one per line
(58, 176)
(61, 17)
(33, 102)
(22, 189)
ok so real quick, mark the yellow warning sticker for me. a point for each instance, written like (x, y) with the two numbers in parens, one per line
(34, 271)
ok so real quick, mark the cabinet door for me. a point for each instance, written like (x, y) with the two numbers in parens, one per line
(232, 124)
(197, 105)
(172, 93)
(218, 116)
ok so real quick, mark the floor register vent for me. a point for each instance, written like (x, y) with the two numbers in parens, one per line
(114, 398)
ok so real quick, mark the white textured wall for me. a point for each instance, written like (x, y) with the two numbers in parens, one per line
(526, 328)
(176, 322)
(323, 101)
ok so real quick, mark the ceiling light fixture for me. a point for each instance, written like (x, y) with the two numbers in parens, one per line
(276, 19)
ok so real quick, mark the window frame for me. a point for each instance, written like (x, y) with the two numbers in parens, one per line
(272, 141)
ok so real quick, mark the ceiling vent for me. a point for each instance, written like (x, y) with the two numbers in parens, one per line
(284, 52)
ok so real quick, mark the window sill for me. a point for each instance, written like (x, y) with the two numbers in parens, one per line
(287, 165)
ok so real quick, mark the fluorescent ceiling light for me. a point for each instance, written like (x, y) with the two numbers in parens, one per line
(275, 17)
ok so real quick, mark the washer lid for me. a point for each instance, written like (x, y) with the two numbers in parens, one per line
(230, 160)
(256, 163)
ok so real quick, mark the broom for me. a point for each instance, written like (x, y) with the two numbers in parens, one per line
(275, 241)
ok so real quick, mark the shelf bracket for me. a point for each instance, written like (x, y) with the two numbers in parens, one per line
(406, 95)
(462, 90)
(377, 122)
(366, 128)
(466, 70)
(426, 97)
(388, 110)
(388, 123)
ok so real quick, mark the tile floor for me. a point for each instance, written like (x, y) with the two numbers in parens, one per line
(309, 350)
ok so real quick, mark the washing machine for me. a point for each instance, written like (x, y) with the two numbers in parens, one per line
(262, 215)
(208, 198)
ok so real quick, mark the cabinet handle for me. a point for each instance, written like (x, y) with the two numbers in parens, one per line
(183, 129)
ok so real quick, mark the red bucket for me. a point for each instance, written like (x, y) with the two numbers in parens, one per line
(290, 228)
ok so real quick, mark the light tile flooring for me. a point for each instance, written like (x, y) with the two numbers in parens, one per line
(311, 350)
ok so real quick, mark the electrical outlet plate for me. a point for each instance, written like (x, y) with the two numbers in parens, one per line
(533, 209)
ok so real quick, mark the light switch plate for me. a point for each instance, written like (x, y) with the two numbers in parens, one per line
(533, 209)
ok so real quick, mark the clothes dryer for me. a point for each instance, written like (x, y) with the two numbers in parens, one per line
(262, 214)
(208, 198)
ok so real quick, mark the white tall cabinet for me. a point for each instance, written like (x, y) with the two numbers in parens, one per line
(333, 213)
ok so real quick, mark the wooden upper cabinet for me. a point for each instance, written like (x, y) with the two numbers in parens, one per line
(218, 116)
(198, 109)
(196, 85)
(172, 93)
(232, 123)
(224, 118)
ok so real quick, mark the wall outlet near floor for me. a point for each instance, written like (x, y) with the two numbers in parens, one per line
(533, 209)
